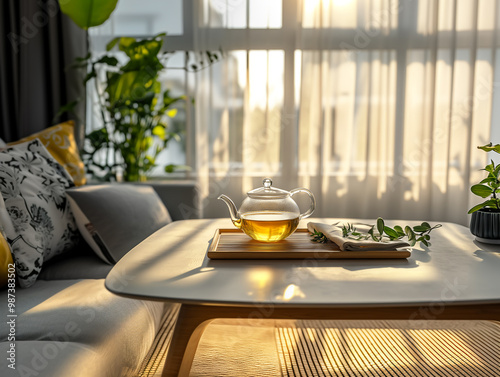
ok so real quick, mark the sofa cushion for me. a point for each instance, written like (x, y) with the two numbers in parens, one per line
(54, 359)
(80, 329)
(5, 260)
(180, 197)
(61, 144)
(30, 298)
(113, 218)
(39, 224)
(81, 263)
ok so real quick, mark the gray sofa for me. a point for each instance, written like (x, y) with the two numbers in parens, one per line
(68, 324)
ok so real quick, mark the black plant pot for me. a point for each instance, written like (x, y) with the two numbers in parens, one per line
(485, 225)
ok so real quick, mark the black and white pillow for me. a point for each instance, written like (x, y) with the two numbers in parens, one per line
(37, 218)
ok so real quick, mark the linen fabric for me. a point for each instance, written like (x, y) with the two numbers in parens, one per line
(61, 144)
(375, 106)
(334, 233)
(35, 213)
(136, 210)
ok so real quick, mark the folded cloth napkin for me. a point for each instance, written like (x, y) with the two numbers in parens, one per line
(334, 233)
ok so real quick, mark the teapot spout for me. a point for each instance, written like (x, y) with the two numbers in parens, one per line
(235, 216)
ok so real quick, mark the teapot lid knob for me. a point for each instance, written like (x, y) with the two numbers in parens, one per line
(268, 192)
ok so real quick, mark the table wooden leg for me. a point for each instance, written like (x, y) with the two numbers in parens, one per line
(191, 322)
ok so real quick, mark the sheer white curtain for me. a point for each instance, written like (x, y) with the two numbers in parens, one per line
(377, 106)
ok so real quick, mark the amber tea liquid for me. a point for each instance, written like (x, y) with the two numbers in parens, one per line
(269, 226)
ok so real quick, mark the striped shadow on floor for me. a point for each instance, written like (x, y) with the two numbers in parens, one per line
(273, 348)
(389, 348)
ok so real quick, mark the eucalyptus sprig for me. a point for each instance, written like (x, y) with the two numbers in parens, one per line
(318, 237)
(418, 233)
(349, 231)
(381, 232)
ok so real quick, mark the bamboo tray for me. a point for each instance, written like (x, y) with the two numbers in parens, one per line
(234, 244)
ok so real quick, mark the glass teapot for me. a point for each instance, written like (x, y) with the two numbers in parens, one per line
(269, 214)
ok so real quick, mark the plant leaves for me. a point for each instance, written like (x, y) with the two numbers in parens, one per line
(496, 171)
(489, 203)
(488, 179)
(390, 232)
(109, 60)
(316, 236)
(133, 107)
(419, 229)
(125, 42)
(380, 225)
(400, 230)
(112, 43)
(88, 13)
(476, 208)
(159, 131)
(490, 147)
(172, 113)
(489, 168)
(130, 86)
(143, 54)
(481, 190)
(409, 233)
(173, 168)
(169, 168)
(98, 137)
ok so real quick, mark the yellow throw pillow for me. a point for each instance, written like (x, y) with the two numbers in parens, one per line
(60, 142)
(5, 260)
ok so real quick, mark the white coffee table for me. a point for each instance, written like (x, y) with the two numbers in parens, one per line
(457, 278)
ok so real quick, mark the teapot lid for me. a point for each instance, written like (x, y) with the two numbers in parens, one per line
(268, 192)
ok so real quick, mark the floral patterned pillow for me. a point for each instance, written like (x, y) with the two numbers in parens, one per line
(37, 219)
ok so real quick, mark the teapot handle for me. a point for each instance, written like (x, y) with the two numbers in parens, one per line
(310, 211)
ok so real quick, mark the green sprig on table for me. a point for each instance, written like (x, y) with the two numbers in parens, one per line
(418, 233)
(318, 237)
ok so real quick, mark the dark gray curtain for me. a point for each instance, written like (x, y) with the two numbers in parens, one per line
(37, 45)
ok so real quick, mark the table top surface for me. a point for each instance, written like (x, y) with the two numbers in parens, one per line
(172, 265)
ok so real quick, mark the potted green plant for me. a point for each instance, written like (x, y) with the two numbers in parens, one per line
(485, 220)
(134, 108)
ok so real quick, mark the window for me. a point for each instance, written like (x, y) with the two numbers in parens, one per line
(376, 105)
